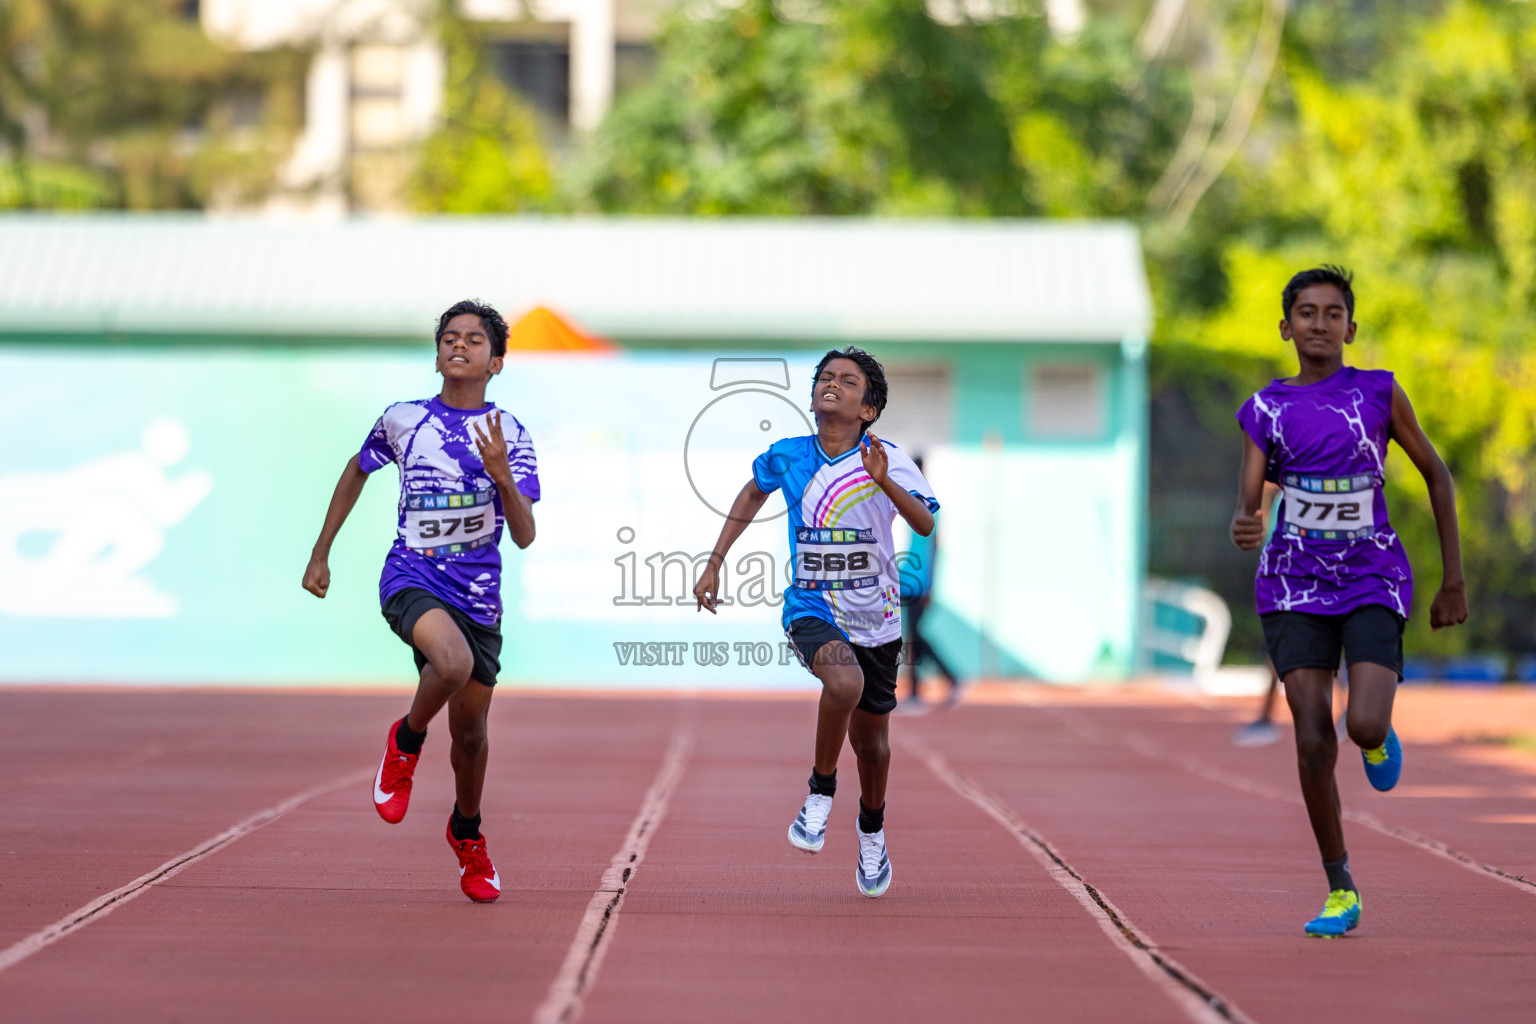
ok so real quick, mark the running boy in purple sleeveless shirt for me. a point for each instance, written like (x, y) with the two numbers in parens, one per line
(460, 481)
(1334, 576)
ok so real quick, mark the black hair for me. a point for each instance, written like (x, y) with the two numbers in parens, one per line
(495, 327)
(875, 390)
(1325, 274)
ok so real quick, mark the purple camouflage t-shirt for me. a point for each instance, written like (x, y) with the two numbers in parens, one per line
(450, 511)
(1332, 549)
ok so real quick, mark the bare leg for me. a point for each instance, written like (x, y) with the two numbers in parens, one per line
(449, 664)
(842, 683)
(467, 713)
(869, 735)
(1372, 689)
(1309, 692)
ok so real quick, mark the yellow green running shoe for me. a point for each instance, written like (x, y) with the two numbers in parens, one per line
(1340, 914)
(1384, 764)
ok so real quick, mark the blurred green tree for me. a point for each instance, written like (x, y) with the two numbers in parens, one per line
(127, 103)
(486, 156)
(1093, 124)
(878, 107)
(848, 107)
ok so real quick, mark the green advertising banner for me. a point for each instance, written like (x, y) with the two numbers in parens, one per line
(157, 508)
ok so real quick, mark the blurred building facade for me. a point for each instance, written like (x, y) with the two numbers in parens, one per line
(375, 85)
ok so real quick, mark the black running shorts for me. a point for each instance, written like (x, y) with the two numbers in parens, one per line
(402, 609)
(879, 664)
(1373, 633)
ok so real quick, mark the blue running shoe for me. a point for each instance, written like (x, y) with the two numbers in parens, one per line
(1340, 914)
(874, 870)
(809, 829)
(1384, 764)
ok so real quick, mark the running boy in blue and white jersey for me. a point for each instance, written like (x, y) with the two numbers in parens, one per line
(843, 488)
(441, 587)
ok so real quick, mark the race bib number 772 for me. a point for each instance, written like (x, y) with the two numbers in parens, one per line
(1329, 508)
(445, 524)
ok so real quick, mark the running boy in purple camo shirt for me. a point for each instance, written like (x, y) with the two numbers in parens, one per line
(460, 480)
(1334, 574)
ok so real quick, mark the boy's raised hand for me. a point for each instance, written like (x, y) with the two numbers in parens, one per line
(493, 447)
(872, 454)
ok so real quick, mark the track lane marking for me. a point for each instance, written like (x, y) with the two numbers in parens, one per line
(1199, 1001)
(104, 905)
(563, 1004)
(1150, 749)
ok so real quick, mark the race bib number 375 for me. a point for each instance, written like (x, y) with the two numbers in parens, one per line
(445, 524)
(1329, 508)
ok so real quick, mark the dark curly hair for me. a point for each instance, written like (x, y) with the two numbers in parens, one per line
(495, 327)
(875, 390)
(1325, 274)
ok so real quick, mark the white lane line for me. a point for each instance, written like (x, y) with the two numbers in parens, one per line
(1198, 1000)
(594, 935)
(1195, 766)
(104, 905)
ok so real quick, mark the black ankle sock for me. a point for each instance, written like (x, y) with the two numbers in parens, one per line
(1338, 874)
(826, 785)
(871, 821)
(407, 739)
(462, 827)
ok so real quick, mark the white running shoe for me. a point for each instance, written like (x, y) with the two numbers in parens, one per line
(874, 870)
(809, 830)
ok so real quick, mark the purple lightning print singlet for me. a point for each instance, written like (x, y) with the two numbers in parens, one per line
(1333, 549)
(450, 511)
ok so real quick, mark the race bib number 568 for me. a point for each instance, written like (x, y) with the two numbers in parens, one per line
(836, 559)
(1329, 508)
(444, 524)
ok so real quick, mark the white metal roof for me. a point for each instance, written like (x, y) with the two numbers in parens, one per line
(723, 279)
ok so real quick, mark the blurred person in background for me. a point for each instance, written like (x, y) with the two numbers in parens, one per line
(916, 567)
(1262, 731)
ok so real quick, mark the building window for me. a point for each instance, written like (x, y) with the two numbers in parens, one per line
(634, 64)
(539, 71)
(1065, 401)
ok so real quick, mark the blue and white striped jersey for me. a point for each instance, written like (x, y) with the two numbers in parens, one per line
(840, 535)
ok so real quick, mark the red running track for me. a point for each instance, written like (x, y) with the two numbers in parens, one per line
(1052, 862)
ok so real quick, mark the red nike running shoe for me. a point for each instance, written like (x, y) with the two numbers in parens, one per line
(477, 875)
(392, 786)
